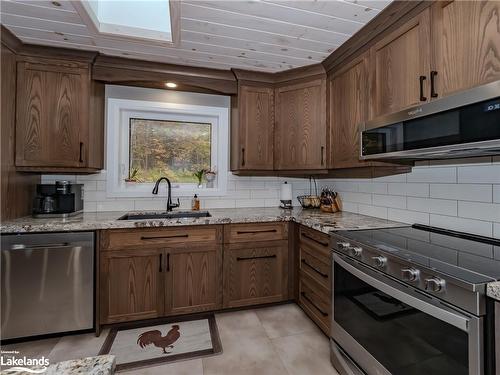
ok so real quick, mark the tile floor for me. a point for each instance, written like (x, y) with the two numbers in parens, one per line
(272, 340)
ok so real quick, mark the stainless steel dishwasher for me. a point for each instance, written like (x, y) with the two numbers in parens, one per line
(47, 283)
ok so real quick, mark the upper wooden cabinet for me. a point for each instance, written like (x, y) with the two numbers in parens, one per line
(300, 128)
(400, 66)
(59, 116)
(253, 132)
(348, 110)
(466, 44)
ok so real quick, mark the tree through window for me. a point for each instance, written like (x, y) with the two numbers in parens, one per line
(168, 148)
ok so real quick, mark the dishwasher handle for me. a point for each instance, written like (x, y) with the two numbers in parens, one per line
(20, 246)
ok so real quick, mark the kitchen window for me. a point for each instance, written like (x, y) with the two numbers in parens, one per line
(147, 140)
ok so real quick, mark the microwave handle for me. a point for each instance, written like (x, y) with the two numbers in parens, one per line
(455, 319)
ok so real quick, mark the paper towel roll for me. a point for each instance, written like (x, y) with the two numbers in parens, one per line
(286, 192)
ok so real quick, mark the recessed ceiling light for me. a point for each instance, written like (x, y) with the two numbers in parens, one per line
(171, 85)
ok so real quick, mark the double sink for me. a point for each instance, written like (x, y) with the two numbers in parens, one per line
(164, 215)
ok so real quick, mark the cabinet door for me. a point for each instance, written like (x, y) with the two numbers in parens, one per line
(466, 40)
(255, 128)
(348, 110)
(193, 280)
(397, 62)
(300, 136)
(132, 285)
(51, 112)
(255, 273)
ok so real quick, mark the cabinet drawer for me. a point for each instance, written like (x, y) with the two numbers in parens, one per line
(316, 301)
(159, 237)
(235, 233)
(255, 274)
(316, 240)
(315, 266)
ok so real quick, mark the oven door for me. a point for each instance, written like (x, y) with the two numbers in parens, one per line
(387, 327)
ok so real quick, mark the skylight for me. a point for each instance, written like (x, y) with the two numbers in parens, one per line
(148, 19)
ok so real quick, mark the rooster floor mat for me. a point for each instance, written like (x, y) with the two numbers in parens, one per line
(165, 340)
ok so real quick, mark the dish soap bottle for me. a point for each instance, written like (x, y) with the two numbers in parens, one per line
(195, 203)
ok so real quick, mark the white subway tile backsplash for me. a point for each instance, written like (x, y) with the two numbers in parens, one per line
(443, 174)
(483, 228)
(115, 205)
(376, 211)
(466, 192)
(409, 217)
(373, 187)
(479, 174)
(351, 207)
(480, 211)
(496, 230)
(393, 201)
(357, 197)
(264, 193)
(409, 189)
(496, 193)
(434, 206)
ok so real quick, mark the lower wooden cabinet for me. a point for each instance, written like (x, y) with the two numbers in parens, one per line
(131, 285)
(255, 273)
(315, 274)
(194, 280)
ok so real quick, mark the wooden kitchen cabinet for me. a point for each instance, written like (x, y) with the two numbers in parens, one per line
(315, 276)
(59, 116)
(194, 280)
(300, 128)
(400, 67)
(466, 45)
(252, 133)
(255, 264)
(131, 285)
(348, 111)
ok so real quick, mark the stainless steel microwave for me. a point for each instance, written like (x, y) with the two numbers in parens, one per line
(461, 125)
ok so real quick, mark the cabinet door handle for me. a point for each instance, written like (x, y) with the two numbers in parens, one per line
(80, 159)
(303, 294)
(243, 157)
(256, 231)
(314, 269)
(256, 257)
(322, 155)
(422, 97)
(168, 262)
(434, 94)
(165, 237)
(161, 261)
(325, 244)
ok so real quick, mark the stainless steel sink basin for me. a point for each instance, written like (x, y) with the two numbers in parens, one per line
(164, 215)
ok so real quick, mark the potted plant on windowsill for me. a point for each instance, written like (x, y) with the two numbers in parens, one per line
(210, 177)
(199, 175)
(132, 177)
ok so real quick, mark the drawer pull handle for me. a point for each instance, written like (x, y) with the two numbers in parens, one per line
(161, 261)
(168, 262)
(256, 257)
(256, 231)
(164, 237)
(325, 244)
(314, 269)
(303, 294)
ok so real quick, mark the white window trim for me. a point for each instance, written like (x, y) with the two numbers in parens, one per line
(119, 112)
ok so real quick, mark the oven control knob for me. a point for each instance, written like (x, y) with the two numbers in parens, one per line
(434, 284)
(410, 274)
(355, 251)
(343, 245)
(380, 261)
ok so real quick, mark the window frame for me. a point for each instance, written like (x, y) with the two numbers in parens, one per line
(119, 112)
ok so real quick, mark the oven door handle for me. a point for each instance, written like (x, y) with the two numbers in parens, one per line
(442, 313)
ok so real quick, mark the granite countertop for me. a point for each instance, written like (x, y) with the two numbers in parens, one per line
(493, 290)
(99, 365)
(324, 222)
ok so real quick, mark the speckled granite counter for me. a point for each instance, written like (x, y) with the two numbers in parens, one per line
(100, 365)
(493, 290)
(324, 222)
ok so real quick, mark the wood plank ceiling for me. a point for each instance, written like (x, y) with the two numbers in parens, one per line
(258, 35)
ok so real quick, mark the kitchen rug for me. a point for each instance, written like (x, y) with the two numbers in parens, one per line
(146, 344)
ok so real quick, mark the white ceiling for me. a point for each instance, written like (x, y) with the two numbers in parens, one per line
(257, 35)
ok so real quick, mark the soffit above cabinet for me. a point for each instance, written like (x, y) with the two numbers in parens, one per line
(268, 36)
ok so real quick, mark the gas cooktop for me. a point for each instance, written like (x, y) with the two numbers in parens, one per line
(467, 257)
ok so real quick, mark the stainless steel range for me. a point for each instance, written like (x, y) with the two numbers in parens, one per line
(411, 300)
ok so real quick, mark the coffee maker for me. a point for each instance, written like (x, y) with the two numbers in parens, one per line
(62, 199)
